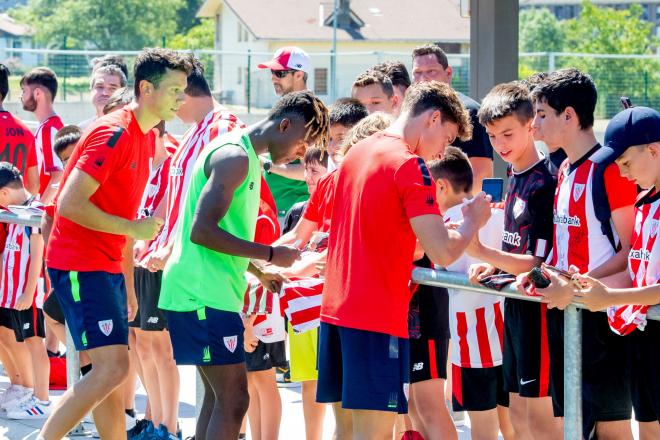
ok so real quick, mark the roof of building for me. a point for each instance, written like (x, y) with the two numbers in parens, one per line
(10, 26)
(384, 20)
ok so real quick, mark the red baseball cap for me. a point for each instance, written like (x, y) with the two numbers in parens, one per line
(289, 58)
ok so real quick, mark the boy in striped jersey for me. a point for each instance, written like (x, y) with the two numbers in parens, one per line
(565, 104)
(476, 320)
(507, 113)
(23, 291)
(38, 91)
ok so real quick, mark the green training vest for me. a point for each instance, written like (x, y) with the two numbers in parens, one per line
(196, 276)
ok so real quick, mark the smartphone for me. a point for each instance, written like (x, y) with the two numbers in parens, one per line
(494, 188)
(559, 271)
(626, 102)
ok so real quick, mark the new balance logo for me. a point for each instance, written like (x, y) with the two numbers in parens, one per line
(176, 171)
(26, 326)
(419, 366)
(152, 320)
(566, 220)
(251, 186)
(12, 247)
(511, 238)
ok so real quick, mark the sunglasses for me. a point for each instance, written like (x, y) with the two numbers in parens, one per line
(281, 73)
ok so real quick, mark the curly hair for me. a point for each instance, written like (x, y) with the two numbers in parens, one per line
(311, 109)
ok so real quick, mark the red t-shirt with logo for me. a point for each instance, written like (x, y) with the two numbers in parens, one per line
(118, 155)
(319, 207)
(380, 186)
(16, 141)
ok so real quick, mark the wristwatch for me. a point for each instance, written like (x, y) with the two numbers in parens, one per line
(267, 166)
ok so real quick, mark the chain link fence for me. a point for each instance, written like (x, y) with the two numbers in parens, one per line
(239, 83)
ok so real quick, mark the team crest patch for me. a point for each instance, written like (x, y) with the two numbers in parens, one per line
(230, 342)
(578, 189)
(519, 207)
(106, 326)
(654, 228)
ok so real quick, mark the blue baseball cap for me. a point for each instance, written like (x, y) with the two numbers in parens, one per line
(631, 127)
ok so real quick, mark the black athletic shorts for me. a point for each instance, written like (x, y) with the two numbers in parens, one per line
(428, 359)
(478, 389)
(266, 356)
(606, 369)
(5, 318)
(28, 323)
(646, 372)
(147, 288)
(53, 309)
(526, 360)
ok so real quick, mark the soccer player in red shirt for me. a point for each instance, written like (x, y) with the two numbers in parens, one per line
(38, 91)
(95, 222)
(16, 139)
(384, 200)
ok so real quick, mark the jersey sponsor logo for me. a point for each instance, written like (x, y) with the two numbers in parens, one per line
(640, 254)
(106, 326)
(564, 219)
(152, 320)
(230, 342)
(511, 238)
(654, 228)
(519, 207)
(525, 382)
(419, 366)
(176, 171)
(12, 247)
(578, 190)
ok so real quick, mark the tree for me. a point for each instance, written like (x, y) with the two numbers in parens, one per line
(187, 16)
(197, 37)
(99, 24)
(540, 31)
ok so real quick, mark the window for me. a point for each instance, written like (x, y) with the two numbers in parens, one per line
(240, 76)
(242, 33)
(321, 81)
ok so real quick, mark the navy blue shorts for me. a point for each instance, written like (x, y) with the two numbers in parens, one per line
(362, 369)
(206, 337)
(94, 306)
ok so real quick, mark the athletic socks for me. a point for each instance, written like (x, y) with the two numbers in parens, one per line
(130, 412)
(86, 369)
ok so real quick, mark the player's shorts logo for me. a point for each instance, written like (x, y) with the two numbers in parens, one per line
(106, 326)
(519, 207)
(230, 342)
(419, 366)
(578, 190)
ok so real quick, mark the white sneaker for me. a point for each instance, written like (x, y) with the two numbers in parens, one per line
(33, 408)
(18, 397)
(11, 393)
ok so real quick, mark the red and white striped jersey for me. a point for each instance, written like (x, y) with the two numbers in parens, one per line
(156, 189)
(43, 155)
(16, 263)
(476, 320)
(301, 301)
(578, 237)
(216, 123)
(643, 263)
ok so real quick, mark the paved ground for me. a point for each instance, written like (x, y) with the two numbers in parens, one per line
(292, 427)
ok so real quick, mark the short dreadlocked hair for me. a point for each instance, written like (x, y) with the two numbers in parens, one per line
(311, 109)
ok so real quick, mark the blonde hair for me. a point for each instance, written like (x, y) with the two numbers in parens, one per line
(372, 124)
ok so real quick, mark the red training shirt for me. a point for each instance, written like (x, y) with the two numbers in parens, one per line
(118, 155)
(16, 141)
(319, 207)
(380, 186)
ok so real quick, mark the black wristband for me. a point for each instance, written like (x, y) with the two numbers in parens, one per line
(270, 254)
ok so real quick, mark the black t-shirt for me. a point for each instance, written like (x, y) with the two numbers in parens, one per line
(528, 210)
(558, 157)
(479, 145)
(433, 305)
(293, 216)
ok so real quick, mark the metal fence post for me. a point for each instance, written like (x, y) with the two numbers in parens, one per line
(249, 80)
(572, 373)
(552, 61)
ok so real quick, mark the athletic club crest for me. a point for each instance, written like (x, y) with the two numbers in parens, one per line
(654, 228)
(230, 342)
(519, 207)
(106, 326)
(578, 189)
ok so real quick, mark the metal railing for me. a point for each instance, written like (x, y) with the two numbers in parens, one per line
(572, 338)
(450, 280)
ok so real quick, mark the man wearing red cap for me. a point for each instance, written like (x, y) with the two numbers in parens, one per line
(288, 70)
